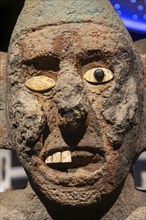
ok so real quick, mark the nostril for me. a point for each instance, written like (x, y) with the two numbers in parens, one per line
(68, 114)
(63, 111)
(71, 119)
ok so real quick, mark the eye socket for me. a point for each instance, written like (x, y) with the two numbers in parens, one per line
(40, 83)
(98, 75)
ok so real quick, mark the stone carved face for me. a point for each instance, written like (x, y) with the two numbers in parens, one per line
(77, 139)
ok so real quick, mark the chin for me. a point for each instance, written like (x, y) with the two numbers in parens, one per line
(66, 185)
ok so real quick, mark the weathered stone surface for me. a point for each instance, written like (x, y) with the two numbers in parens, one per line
(104, 121)
(3, 126)
(25, 205)
(138, 214)
(128, 202)
(141, 48)
(73, 12)
(22, 205)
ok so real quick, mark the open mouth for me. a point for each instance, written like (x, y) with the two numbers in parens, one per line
(70, 161)
(66, 166)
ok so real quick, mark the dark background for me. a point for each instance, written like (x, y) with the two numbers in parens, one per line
(9, 11)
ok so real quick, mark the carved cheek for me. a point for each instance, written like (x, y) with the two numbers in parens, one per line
(27, 118)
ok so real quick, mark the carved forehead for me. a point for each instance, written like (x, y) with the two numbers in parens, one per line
(76, 37)
(55, 12)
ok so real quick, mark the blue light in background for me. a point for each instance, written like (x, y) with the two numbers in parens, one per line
(133, 1)
(117, 6)
(136, 26)
(135, 17)
(140, 7)
(119, 12)
(133, 13)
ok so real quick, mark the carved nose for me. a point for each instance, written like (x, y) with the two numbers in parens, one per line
(72, 119)
(71, 101)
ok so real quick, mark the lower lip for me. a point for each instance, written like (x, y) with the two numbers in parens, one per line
(80, 178)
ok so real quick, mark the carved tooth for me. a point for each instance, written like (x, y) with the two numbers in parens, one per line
(49, 159)
(57, 157)
(66, 156)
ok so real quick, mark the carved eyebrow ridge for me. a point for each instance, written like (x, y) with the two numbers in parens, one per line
(48, 62)
(92, 55)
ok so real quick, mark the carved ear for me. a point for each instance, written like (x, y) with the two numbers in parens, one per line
(3, 125)
(141, 48)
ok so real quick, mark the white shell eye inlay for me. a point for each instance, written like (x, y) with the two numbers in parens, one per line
(98, 75)
(40, 83)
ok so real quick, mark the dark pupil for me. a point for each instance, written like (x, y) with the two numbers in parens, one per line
(99, 74)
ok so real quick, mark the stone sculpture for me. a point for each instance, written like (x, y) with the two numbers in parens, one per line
(78, 133)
